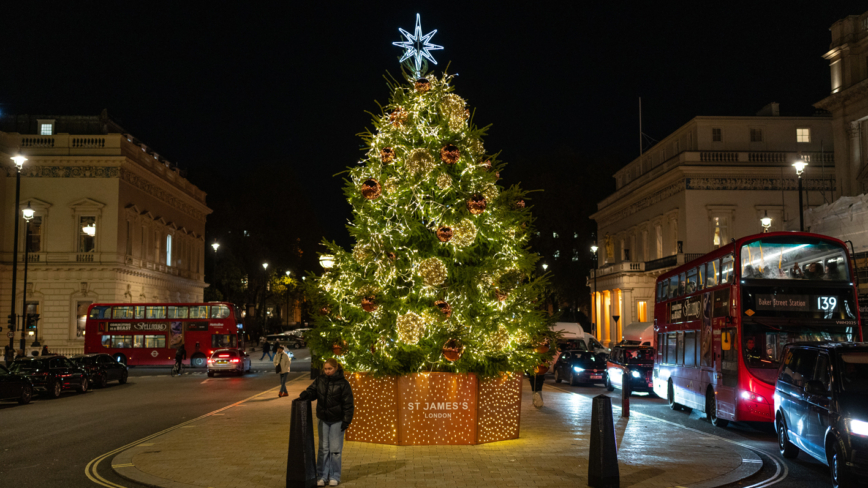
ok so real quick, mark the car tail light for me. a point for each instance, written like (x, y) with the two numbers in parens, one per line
(234, 360)
(223, 356)
(210, 360)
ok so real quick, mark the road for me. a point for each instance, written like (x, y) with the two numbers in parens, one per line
(49, 442)
(803, 472)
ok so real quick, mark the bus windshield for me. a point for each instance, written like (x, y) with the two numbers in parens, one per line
(793, 258)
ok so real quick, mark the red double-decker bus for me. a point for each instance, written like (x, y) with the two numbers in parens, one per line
(147, 334)
(722, 320)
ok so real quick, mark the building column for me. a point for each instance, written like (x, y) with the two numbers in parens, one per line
(855, 135)
(627, 310)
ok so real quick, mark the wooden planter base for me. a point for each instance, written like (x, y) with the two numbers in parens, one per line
(435, 409)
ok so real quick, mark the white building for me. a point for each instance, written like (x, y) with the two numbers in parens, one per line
(710, 181)
(847, 217)
(115, 222)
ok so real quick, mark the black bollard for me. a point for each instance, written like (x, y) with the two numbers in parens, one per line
(626, 390)
(301, 458)
(603, 462)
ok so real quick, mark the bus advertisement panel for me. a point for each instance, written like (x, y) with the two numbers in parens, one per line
(722, 320)
(148, 334)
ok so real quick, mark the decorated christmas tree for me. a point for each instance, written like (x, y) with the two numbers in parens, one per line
(440, 277)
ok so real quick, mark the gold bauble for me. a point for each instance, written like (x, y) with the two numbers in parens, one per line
(444, 181)
(464, 233)
(499, 339)
(398, 117)
(477, 148)
(490, 192)
(433, 271)
(452, 108)
(420, 161)
(361, 253)
(410, 327)
(390, 186)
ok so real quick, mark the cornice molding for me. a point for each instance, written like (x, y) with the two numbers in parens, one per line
(144, 182)
(837, 100)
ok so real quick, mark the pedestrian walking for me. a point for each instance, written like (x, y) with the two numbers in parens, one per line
(334, 409)
(536, 384)
(45, 351)
(266, 351)
(262, 341)
(281, 364)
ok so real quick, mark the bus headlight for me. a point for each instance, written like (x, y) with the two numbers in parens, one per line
(578, 369)
(636, 374)
(858, 427)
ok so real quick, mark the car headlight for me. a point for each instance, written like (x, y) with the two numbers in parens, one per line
(636, 374)
(858, 427)
(578, 369)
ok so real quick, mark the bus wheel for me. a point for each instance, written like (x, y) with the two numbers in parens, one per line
(198, 361)
(711, 410)
(121, 358)
(670, 396)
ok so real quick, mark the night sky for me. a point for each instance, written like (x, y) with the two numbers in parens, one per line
(220, 87)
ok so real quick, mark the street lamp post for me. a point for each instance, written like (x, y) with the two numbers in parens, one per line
(594, 249)
(19, 162)
(28, 216)
(215, 245)
(800, 168)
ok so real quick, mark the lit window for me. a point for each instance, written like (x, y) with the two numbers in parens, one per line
(575, 235)
(642, 311)
(555, 235)
(45, 129)
(756, 135)
(716, 135)
(169, 250)
(86, 234)
(803, 135)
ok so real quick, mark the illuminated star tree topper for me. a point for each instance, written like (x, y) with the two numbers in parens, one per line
(418, 46)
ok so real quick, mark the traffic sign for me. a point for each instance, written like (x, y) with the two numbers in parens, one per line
(9, 334)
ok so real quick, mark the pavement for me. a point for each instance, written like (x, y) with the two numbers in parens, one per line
(245, 444)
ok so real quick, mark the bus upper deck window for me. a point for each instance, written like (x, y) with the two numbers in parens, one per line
(673, 287)
(219, 311)
(155, 313)
(691, 281)
(178, 312)
(726, 269)
(711, 270)
(122, 313)
(100, 312)
(140, 312)
(199, 312)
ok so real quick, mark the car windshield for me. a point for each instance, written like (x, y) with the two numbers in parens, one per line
(854, 371)
(762, 344)
(637, 356)
(26, 366)
(574, 346)
(787, 258)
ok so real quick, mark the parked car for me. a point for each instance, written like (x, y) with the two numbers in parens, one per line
(821, 408)
(102, 368)
(633, 362)
(228, 361)
(580, 366)
(287, 339)
(15, 386)
(52, 374)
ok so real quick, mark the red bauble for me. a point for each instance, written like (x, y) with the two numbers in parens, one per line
(486, 165)
(452, 350)
(371, 189)
(391, 256)
(542, 347)
(339, 348)
(324, 311)
(422, 85)
(541, 369)
(399, 117)
(387, 155)
(369, 304)
(519, 204)
(476, 204)
(450, 154)
(444, 234)
(444, 307)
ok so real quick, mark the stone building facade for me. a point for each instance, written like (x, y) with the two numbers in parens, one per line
(708, 182)
(114, 222)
